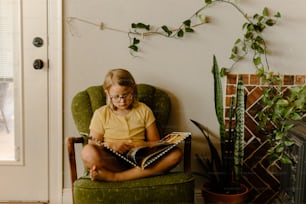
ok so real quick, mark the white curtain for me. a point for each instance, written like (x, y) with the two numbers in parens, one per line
(9, 38)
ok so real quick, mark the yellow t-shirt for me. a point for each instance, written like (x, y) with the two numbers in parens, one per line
(129, 127)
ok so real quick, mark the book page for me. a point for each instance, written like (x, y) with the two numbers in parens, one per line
(143, 156)
(173, 138)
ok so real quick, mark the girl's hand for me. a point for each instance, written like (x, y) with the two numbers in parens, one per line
(121, 147)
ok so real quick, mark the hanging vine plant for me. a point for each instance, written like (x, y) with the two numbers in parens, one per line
(251, 39)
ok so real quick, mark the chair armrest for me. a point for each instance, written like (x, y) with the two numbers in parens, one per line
(71, 155)
(187, 155)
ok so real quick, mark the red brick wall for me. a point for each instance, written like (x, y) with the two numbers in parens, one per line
(261, 176)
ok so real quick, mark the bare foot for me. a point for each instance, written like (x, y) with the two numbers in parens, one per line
(101, 174)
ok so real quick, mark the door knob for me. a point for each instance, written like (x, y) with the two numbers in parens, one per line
(38, 64)
(38, 42)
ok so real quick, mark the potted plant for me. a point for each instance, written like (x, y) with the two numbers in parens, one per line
(223, 172)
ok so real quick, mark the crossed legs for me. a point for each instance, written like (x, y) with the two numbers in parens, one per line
(105, 166)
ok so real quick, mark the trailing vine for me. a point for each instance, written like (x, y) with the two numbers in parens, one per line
(252, 33)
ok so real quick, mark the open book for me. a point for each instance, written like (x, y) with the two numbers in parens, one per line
(143, 156)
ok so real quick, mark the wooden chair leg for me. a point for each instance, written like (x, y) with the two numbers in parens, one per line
(187, 155)
(72, 161)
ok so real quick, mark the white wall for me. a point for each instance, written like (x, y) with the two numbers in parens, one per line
(182, 67)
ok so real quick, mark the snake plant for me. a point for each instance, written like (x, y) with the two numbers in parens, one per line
(224, 171)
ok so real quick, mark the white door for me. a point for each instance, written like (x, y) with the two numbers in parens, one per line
(24, 110)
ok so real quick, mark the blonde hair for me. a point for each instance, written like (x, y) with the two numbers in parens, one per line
(120, 77)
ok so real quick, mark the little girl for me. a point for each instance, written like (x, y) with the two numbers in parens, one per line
(122, 124)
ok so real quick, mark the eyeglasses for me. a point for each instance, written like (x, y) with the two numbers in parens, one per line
(117, 98)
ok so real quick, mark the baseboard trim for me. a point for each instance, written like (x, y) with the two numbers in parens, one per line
(67, 196)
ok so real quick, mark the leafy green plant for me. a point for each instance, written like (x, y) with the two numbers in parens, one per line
(280, 106)
(223, 172)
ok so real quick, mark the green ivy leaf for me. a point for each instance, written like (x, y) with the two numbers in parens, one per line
(288, 126)
(136, 41)
(260, 19)
(133, 25)
(166, 29)
(277, 15)
(147, 27)
(260, 73)
(224, 71)
(257, 61)
(248, 36)
(275, 156)
(259, 27)
(237, 41)
(141, 26)
(278, 136)
(187, 23)
(235, 50)
(299, 101)
(265, 12)
(286, 112)
(256, 16)
(285, 159)
(189, 30)
(270, 22)
(250, 27)
(282, 102)
(296, 116)
(254, 45)
(208, 1)
(279, 149)
(259, 49)
(180, 33)
(134, 48)
(232, 57)
(259, 39)
(288, 143)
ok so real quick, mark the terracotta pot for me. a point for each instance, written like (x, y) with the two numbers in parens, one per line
(218, 198)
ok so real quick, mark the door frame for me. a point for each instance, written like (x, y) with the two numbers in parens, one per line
(55, 50)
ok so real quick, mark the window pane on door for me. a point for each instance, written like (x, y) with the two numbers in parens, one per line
(9, 78)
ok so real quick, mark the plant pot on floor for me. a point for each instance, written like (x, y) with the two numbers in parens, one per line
(219, 198)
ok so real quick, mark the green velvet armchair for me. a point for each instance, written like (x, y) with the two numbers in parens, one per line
(174, 187)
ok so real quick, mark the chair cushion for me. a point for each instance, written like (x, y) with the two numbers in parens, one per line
(168, 188)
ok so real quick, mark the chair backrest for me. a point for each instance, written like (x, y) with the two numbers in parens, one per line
(86, 102)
